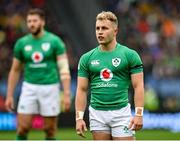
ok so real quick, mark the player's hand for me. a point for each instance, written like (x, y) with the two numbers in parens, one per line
(136, 123)
(81, 127)
(67, 102)
(9, 104)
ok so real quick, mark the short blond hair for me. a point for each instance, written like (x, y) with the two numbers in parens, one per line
(107, 15)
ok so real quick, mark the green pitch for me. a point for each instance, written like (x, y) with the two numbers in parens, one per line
(70, 134)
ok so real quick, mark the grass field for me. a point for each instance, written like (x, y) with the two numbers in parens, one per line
(69, 134)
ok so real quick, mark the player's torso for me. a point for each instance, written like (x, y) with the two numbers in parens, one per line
(108, 66)
(38, 52)
(109, 79)
(39, 59)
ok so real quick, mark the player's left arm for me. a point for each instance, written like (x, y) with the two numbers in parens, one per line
(64, 72)
(138, 85)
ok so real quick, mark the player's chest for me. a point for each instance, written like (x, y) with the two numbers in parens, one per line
(113, 63)
(37, 51)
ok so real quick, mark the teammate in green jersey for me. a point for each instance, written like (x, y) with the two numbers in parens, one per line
(108, 70)
(43, 57)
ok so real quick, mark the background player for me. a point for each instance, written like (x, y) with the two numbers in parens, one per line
(109, 69)
(43, 57)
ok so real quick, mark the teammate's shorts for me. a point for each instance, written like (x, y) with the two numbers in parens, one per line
(39, 99)
(114, 122)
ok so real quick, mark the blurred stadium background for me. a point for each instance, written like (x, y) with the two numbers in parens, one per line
(151, 27)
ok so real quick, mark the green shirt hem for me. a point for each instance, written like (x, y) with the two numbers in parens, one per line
(42, 83)
(106, 107)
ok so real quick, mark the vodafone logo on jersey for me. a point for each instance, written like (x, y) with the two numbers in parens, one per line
(106, 74)
(37, 57)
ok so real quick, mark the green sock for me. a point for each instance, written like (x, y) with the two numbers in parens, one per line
(21, 137)
(50, 138)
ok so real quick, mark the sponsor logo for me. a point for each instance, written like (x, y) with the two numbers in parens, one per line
(41, 65)
(28, 48)
(95, 62)
(106, 74)
(45, 46)
(116, 61)
(37, 57)
(110, 85)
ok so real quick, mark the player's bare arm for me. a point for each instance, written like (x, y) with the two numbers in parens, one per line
(12, 81)
(80, 105)
(138, 85)
(64, 73)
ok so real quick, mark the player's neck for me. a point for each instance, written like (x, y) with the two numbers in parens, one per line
(108, 47)
(39, 35)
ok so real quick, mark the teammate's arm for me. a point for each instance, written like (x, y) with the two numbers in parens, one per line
(80, 104)
(64, 73)
(138, 85)
(12, 82)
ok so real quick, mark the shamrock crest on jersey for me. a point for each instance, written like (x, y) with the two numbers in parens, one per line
(106, 74)
(116, 61)
(37, 57)
(45, 46)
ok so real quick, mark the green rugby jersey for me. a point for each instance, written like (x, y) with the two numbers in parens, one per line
(39, 57)
(109, 75)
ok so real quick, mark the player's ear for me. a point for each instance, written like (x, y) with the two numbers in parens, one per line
(116, 30)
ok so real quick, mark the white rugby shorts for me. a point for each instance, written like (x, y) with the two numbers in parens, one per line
(39, 99)
(114, 122)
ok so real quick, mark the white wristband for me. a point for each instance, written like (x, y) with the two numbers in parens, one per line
(79, 115)
(139, 111)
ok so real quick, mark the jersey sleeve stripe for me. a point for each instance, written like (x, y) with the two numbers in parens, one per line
(137, 66)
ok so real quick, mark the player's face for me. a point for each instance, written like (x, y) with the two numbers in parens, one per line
(35, 24)
(106, 31)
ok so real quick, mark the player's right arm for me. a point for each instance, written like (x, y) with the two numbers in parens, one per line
(81, 93)
(80, 104)
(12, 82)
